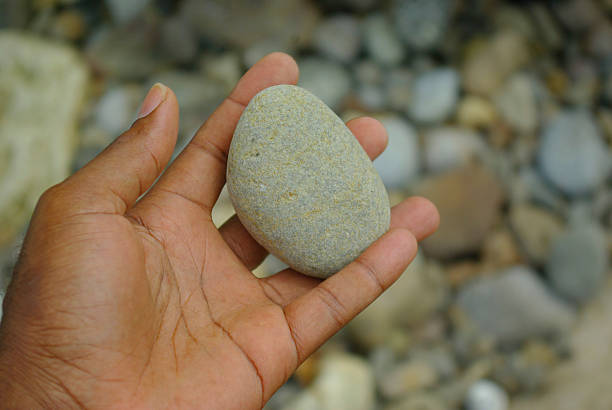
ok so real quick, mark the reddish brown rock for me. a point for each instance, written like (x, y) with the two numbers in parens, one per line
(469, 200)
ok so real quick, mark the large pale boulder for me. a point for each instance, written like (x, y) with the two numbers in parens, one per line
(42, 85)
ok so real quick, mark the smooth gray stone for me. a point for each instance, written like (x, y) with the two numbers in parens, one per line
(302, 185)
(573, 155)
(514, 305)
(578, 263)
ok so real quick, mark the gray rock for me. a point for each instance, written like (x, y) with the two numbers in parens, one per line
(338, 38)
(434, 95)
(572, 154)
(514, 305)
(515, 18)
(198, 96)
(368, 72)
(381, 41)
(14, 14)
(578, 15)
(242, 23)
(287, 393)
(422, 23)
(371, 97)
(326, 79)
(585, 86)
(536, 228)
(486, 395)
(578, 263)
(398, 86)
(399, 164)
(127, 52)
(408, 377)
(449, 147)
(39, 110)
(124, 11)
(178, 41)
(440, 358)
(224, 68)
(516, 102)
(301, 183)
(530, 186)
(600, 39)
(548, 27)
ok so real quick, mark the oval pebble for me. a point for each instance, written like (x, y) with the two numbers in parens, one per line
(302, 185)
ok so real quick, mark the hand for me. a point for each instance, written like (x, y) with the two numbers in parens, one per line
(142, 303)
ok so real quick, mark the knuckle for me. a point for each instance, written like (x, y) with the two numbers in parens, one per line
(53, 199)
(336, 309)
(368, 271)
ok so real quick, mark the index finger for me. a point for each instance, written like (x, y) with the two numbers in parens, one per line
(198, 174)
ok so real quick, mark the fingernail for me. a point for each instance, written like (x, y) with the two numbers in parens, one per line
(155, 96)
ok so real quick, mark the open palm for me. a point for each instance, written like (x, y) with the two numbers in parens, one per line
(142, 303)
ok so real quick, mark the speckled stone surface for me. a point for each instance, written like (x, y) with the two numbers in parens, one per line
(301, 183)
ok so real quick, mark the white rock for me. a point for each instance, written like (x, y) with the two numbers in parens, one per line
(381, 41)
(270, 266)
(338, 38)
(39, 109)
(486, 395)
(572, 153)
(434, 95)
(345, 382)
(326, 79)
(117, 108)
(371, 96)
(449, 147)
(224, 68)
(399, 164)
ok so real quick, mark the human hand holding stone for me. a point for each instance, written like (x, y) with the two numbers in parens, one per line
(124, 302)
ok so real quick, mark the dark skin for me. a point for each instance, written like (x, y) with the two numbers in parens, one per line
(142, 303)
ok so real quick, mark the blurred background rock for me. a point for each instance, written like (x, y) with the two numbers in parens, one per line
(498, 111)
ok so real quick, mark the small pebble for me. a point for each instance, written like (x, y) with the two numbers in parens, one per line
(486, 395)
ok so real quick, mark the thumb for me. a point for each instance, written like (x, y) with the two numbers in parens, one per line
(113, 181)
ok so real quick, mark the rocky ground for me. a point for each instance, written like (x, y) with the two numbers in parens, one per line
(500, 112)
